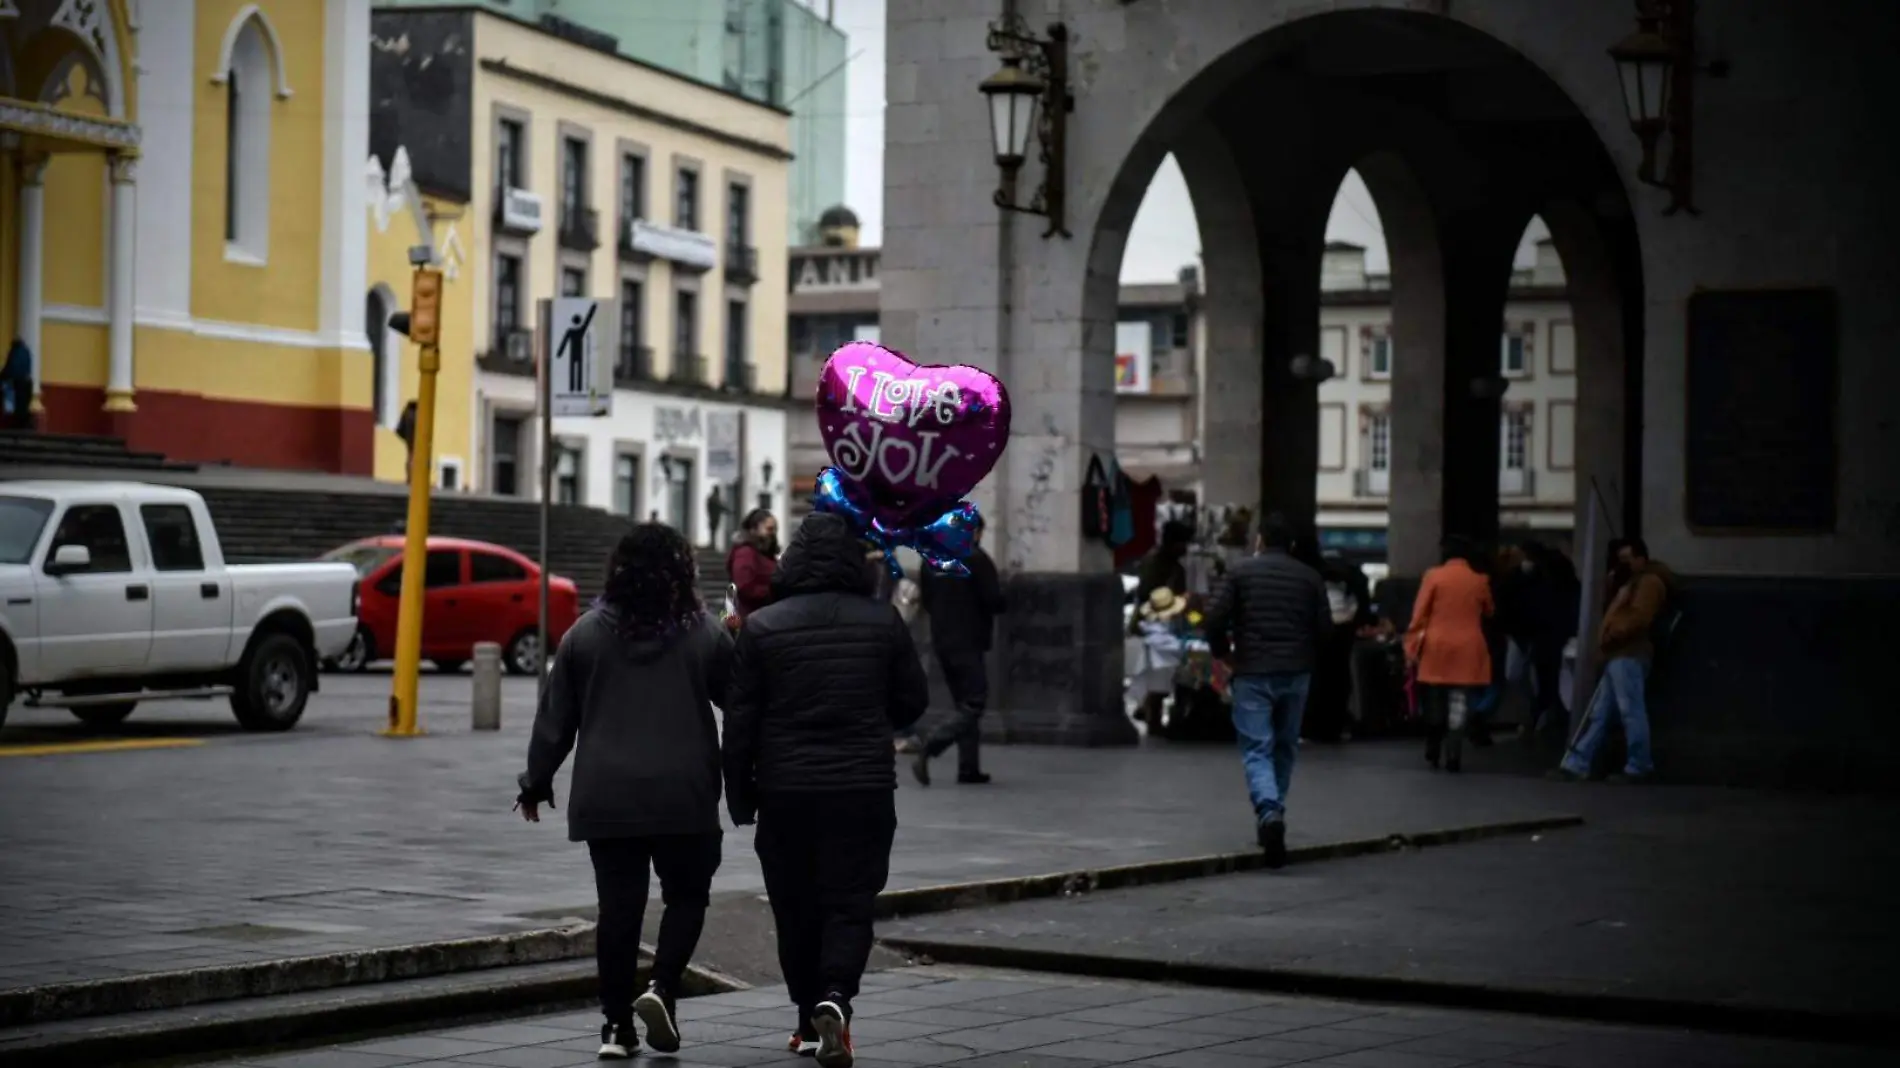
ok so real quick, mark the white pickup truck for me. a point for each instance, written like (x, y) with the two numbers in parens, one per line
(112, 593)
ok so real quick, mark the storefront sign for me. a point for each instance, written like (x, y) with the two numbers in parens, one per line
(724, 444)
(676, 426)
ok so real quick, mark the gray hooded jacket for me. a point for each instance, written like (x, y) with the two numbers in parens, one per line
(648, 760)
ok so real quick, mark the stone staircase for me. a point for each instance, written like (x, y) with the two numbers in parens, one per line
(713, 579)
(22, 448)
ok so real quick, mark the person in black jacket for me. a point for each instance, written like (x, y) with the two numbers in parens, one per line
(635, 680)
(820, 678)
(1271, 611)
(963, 611)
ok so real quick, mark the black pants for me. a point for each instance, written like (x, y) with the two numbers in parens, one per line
(685, 864)
(968, 678)
(1547, 660)
(825, 857)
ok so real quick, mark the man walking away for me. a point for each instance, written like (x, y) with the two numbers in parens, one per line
(820, 679)
(1271, 611)
(963, 611)
(1624, 640)
(636, 680)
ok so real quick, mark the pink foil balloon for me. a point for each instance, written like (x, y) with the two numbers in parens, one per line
(913, 439)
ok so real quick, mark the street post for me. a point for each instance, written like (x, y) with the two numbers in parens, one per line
(566, 337)
(419, 324)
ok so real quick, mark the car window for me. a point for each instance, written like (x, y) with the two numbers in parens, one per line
(99, 528)
(444, 568)
(21, 520)
(173, 535)
(494, 567)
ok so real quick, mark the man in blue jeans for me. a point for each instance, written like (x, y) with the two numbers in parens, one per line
(1267, 619)
(1643, 587)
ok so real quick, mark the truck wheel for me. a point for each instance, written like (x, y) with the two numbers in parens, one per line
(523, 654)
(273, 684)
(357, 655)
(104, 715)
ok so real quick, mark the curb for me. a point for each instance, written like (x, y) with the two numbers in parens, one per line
(895, 904)
(324, 1019)
(1762, 1021)
(297, 975)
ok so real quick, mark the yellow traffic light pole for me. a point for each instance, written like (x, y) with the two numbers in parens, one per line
(420, 324)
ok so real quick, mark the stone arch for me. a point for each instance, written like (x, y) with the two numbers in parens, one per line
(385, 346)
(252, 17)
(89, 29)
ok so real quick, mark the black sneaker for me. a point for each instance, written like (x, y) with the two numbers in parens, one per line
(920, 767)
(1272, 839)
(655, 1010)
(973, 778)
(618, 1041)
(832, 1020)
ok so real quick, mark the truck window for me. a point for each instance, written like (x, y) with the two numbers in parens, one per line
(99, 528)
(494, 567)
(173, 535)
(21, 520)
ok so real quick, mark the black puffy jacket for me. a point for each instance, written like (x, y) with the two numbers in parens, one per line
(819, 678)
(1272, 610)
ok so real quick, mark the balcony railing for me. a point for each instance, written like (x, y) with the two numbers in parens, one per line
(742, 264)
(1372, 483)
(580, 228)
(689, 369)
(742, 377)
(634, 366)
(513, 352)
(1517, 482)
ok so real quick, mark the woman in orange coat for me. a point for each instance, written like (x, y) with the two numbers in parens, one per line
(1446, 646)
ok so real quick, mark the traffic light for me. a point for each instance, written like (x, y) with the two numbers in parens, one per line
(418, 324)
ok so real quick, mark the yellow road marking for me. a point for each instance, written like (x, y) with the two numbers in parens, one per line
(116, 745)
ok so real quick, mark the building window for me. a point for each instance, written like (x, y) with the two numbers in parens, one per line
(738, 215)
(632, 328)
(505, 450)
(573, 282)
(737, 363)
(686, 206)
(1513, 360)
(508, 155)
(507, 295)
(573, 179)
(686, 323)
(627, 485)
(247, 122)
(1379, 359)
(1379, 441)
(567, 475)
(384, 357)
(1178, 329)
(1514, 446)
(633, 187)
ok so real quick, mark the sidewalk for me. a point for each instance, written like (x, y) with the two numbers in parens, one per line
(972, 1018)
(328, 839)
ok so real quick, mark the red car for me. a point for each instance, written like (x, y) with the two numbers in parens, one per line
(472, 592)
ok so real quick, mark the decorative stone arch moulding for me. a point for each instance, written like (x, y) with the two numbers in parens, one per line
(92, 22)
(264, 26)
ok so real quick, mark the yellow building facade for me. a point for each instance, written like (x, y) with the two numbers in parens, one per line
(183, 228)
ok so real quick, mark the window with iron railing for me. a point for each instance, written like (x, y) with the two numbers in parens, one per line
(507, 292)
(686, 199)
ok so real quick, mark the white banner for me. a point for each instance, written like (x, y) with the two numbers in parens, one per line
(1134, 356)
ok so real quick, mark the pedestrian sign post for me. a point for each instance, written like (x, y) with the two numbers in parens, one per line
(573, 381)
(580, 382)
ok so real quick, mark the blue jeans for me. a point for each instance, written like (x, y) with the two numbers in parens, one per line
(1621, 690)
(1267, 711)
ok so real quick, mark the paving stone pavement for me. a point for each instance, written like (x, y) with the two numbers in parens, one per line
(329, 839)
(976, 1018)
(1762, 901)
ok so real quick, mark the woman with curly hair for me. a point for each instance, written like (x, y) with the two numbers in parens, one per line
(635, 682)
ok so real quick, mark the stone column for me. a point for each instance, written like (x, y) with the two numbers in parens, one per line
(119, 293)
(1478, 254)
(32, 271)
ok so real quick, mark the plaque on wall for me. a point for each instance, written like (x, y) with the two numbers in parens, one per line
(1763, 383)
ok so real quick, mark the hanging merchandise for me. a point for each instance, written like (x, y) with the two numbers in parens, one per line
(1121, 525)
(1145, 498)
(1098, 501)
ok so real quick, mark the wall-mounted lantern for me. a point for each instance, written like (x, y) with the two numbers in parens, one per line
(1657, 67)
(1305, 368)
(1489, 387)
(1030, 96)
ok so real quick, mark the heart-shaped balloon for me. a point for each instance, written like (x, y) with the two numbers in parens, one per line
(914, 438)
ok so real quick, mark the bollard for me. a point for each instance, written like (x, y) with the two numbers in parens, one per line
(485, 694)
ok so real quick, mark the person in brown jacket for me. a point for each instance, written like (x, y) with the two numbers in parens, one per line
(1446, 644)
(1627, 649)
